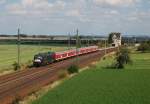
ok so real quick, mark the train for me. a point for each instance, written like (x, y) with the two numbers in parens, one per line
(42, 59)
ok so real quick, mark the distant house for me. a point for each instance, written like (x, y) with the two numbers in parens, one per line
(116, 40)
(137, 44)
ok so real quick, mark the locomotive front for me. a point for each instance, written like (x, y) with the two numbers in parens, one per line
(38, 59)
(42, 59)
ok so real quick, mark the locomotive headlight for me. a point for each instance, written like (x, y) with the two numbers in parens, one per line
(37, 60)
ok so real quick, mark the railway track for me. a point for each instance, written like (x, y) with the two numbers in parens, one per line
(20, 84)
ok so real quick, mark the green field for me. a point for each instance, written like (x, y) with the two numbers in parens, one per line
(8, 53)
(105, 86)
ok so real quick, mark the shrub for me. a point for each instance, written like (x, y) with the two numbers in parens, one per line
(73, 69)
(104, 58)
(16, 66)
(122, 58)
(144, 47)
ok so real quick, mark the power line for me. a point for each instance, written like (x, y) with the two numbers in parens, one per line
(69, 41)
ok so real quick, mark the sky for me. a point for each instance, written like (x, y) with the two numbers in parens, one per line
(61, 17)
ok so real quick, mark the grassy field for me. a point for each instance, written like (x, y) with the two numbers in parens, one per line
(105, 86)
(8, 53)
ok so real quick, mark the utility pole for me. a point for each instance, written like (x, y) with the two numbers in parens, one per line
(135, 40)
(88, 42)
(77, 45)
(105, 47)
(69, 41)
(128, 40)
(77, 38)
(18, 46)
(39, 45)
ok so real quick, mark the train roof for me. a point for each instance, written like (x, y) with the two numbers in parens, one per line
(75, 49)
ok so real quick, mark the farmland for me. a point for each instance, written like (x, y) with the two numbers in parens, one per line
(8, 53)
(105, 86)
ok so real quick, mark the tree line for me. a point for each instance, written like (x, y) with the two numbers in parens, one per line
(144, 47)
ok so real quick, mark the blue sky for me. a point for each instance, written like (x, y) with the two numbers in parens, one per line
(98, 17)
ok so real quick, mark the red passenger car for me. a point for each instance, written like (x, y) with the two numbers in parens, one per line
(74, 52)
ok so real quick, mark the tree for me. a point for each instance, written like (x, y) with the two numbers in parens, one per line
(144, 47)
(122, 58)
(110, 38)
(73, 69)
(16, 66)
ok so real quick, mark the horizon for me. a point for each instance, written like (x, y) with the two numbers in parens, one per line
(64, 16)
(94, 35)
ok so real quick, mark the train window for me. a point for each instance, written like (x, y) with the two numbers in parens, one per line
(64, 55)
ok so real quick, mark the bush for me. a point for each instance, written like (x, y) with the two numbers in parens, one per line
(16, 66)
(104, 58)
(73, 69)
(122, 58)
(144, 47)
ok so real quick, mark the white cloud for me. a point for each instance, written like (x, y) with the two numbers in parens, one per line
(114, 12)
(74, 12)
(28, 2)
(2, 1)
(35, 7)
(115, 2)
(132, 18)
(15, 9)
(141, 15)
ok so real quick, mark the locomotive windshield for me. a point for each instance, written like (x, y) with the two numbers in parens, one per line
(38, 57)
